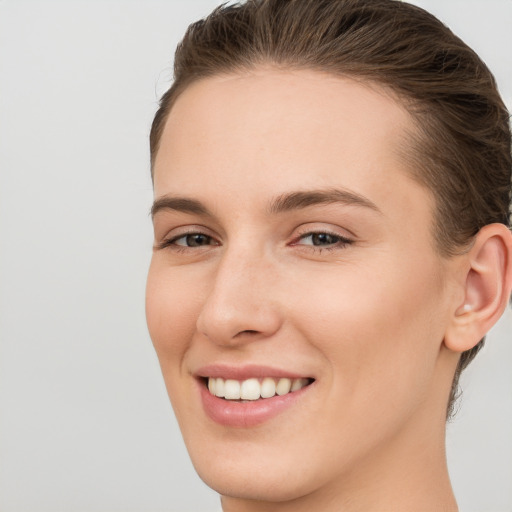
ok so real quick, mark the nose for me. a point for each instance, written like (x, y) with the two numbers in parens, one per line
(241, 305)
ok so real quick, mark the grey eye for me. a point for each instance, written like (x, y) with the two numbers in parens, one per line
(193, 240)
(323, 239)
(319, 239)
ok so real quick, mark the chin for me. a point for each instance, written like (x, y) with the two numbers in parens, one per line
(265, 483)
(259, 471)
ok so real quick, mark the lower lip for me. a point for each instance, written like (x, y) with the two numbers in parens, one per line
(230, 413)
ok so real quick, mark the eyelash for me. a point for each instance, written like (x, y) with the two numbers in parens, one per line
(339, 243)
(171, 242)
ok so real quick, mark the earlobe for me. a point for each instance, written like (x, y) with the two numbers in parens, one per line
(487, 288)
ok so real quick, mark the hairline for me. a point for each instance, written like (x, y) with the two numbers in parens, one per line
(409, 148)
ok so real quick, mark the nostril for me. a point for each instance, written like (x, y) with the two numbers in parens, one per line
(247, 332)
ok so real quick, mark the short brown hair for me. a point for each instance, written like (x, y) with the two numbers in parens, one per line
(462, 148)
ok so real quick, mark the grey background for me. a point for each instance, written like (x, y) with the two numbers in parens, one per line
(85, 423)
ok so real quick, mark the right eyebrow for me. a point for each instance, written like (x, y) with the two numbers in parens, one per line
(179, 204)
(304, 198)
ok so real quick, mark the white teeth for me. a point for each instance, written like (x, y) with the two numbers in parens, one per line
(298, 384)
(232, 390)
(219, 387)
(268, 388)
(283, 386)
(250, 389)
(211, 385)
(253, 389)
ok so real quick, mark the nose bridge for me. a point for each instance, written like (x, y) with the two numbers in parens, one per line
(240, 300)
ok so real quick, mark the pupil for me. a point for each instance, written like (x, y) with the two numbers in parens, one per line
(197, 240)
(323, 239)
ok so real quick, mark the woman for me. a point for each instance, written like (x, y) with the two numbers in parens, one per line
(332, 194)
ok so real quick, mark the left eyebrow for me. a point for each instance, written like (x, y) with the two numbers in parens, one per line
(180, 204)
(303, 199)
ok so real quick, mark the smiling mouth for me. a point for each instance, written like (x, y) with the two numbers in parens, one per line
(254, 388)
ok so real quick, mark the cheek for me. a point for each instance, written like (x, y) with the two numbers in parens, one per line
(379, 331)
(171, 312)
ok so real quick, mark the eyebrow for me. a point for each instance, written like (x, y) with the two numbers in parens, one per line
(180, 204)
(283, 203)
(303, 199)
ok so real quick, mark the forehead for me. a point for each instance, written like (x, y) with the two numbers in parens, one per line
(275, 99)
(267, 130)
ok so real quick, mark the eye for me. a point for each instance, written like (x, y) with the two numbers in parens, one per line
(323, 240)
(186, 241)
(192, 240)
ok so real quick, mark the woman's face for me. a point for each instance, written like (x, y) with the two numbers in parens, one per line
(291, 243)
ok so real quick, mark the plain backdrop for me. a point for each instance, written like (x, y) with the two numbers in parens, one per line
(85, 423)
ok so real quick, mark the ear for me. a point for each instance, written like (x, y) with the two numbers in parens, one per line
(487, 287)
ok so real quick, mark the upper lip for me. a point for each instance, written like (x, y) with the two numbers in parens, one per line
(241, 373)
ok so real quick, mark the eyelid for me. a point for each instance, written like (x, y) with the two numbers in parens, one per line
(177, 233)
(344, 238)
(305, 231)
(312, 228)
(340, 242)
(174, 240)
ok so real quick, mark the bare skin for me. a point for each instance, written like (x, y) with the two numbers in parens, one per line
(348, 291)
